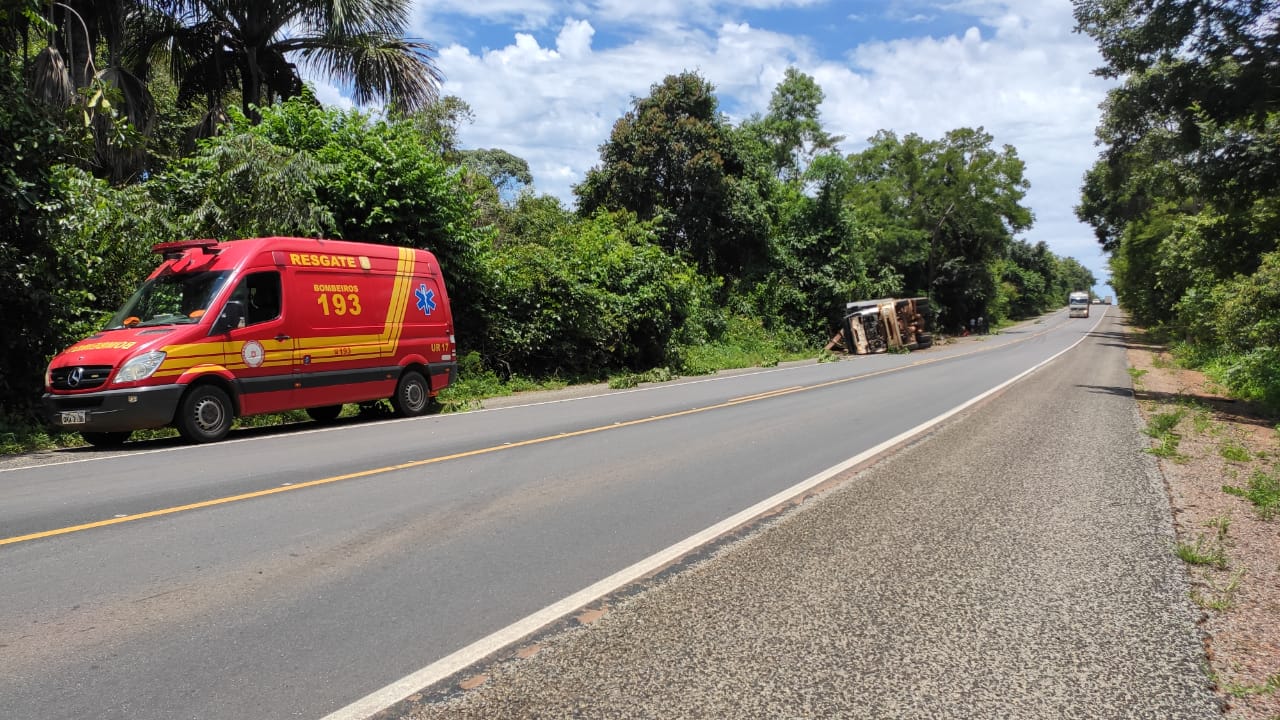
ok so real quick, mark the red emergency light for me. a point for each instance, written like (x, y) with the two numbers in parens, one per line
(171, 250)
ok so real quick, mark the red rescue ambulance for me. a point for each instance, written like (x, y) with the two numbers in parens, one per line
(224, 329)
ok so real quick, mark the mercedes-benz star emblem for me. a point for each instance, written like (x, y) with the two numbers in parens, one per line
(73, 380)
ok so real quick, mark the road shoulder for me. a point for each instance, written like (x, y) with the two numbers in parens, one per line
(1234, 551)
(1013, 563)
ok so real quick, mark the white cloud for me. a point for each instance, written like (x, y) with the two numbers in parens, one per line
(1023, 76)
(1018, 71)
(329, 94)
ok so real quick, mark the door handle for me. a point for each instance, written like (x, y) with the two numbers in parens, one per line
(281, 337)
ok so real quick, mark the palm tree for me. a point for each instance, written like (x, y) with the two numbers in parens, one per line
(214, 47)
(75, 30)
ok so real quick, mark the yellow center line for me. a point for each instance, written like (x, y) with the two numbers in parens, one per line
(470, 453)
(763, 395)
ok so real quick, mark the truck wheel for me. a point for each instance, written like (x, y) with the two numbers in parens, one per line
(412, 397)
(205, 414)
(325, 414)
(106, 439)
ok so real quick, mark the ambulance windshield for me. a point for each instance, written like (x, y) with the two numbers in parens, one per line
(171, 299)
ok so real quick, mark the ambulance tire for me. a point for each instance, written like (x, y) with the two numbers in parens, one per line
(413, 395)
(106, 439)
(325, 413)
(205, 414)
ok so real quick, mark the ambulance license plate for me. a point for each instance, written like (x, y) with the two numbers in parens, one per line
(73, 417)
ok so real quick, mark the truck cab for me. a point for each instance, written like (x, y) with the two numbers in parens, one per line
(1078, 304)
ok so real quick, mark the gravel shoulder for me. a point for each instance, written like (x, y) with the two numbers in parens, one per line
(1236, 579)
(1016, 562)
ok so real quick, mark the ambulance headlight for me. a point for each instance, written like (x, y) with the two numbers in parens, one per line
(140, 368)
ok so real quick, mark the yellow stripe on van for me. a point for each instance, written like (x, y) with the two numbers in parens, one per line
(184, 358)
(400, 299)
(181, 358)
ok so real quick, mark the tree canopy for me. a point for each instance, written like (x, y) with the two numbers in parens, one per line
(1186, 193)
(673, 159)
(692, 231)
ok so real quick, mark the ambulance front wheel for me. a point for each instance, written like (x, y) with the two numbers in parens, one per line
(413, 396)
(205, 414)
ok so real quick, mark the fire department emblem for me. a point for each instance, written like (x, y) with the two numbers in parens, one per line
(253, 354)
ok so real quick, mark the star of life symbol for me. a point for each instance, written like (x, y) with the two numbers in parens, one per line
(426, 299)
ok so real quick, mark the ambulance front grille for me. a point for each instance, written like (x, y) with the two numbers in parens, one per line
(80, 377)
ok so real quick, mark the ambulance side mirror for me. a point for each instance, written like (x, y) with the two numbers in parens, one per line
(231, 318)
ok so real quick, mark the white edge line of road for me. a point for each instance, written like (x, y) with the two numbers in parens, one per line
(312, 431)
(234, 441)
(393, 693)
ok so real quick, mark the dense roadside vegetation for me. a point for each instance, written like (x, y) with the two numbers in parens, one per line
(1186, 195)
(696, 243)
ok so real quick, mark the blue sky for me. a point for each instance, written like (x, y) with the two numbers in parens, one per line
(547, 79)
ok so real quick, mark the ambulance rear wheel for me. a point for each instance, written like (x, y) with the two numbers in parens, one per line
(106, 439)
(412, 397)
(325, 414)
(205, 414)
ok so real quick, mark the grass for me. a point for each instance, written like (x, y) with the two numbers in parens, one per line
(744, 343)
(18, 435)
(1221, 524)
(1163, 423)
(1220, 598)
(1137, 373)
(1204, 551)
(630, 380)
(1161, 427)
(1262, 490)
(1167, 448)
(1234, 451)
(1243, 690)
(1202, 421)
(476, 382)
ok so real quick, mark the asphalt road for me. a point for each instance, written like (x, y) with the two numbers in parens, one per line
(288, 574)
(1014, 563)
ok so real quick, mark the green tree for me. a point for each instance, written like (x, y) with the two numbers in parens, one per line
(102, 241)
(508, 173)
(81, 71)
(440, 122)
(673, 159)
(533, 218)
(941, 212)
(793, 129)
(1186, 194)
(1069, 277)
(1027, 279)
(595, 294)
(818, 262)
(312, 171)
(217, 47)
(31, 147)
(208, 190)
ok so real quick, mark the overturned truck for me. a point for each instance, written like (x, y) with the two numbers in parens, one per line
(873, 326)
